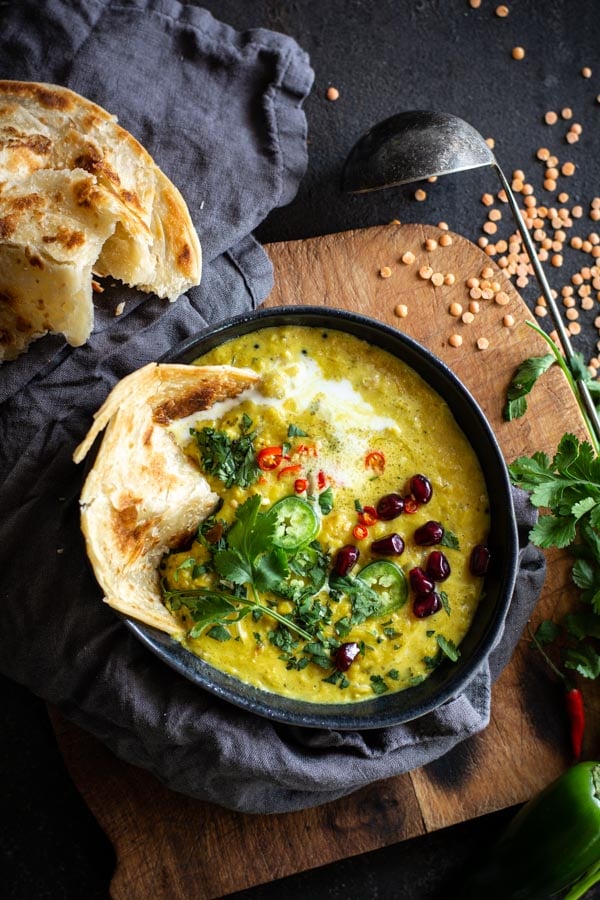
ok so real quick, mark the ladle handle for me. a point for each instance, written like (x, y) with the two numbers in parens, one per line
(586, 397)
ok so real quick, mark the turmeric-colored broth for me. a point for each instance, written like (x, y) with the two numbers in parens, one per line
(370, 423)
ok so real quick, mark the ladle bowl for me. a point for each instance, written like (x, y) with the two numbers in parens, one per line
(412, 146)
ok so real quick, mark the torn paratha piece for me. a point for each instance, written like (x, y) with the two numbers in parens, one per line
(79, 195)
(143, 495)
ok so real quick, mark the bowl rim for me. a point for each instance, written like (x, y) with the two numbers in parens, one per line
(385, 710)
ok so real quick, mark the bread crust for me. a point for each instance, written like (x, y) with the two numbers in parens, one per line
(144, 495)
(80, 195)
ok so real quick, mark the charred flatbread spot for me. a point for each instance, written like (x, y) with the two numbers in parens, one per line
(37, 143)
(33, 259)
(29, 201)
(184, 257)
(129, 533)
(90, 161)
(85, 194)
(65, 238)
(8, 226)
(202, 398)
(52, 99)
(22, 324)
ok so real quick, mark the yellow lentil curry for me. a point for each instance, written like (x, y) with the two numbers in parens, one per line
(340, 562)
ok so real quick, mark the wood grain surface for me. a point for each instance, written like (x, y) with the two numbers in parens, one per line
(166, 842)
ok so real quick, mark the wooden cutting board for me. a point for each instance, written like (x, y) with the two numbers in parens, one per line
(166, 842)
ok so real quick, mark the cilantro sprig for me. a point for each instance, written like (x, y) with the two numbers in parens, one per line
(566, 489)
(250, 560)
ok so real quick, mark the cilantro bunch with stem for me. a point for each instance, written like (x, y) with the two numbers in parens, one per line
(567, 489)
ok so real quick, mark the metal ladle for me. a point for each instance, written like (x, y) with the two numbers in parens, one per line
(419, 144)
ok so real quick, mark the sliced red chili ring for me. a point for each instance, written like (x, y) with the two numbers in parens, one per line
(309, 449)
(289, 470)
(410, 505)
(300, 485)
(368, 516)
(375, 460)
(269, 458)
(321, 480)
(360, 532)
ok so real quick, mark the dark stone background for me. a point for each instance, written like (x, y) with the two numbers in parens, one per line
(384, 56)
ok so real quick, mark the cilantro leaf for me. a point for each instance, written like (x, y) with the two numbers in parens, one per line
(270, 569)
(546, 632)
(584, 575)
(448, 647)
(219, 633)
(232, 566)
(449, 539)
(522, 383)
(584, 660)
(296, 431)
(583, 624)
(326, 501)
(553, 532)
(378, 685)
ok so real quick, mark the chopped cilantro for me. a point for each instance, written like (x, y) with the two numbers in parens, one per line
(378, 685)
(448, 647)
(231, 460)
(295, 431)
(219, 633)
(449, 539)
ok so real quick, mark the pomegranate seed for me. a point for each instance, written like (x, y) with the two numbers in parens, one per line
(438, 567)
(480, 560)
(345, 560)
(428, 534)
(390, 507)
(426, 605)
(390, 545)
(345, 655)
(419, 581)
(420, 488)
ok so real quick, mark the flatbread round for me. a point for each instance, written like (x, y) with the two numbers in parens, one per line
(144, 495)
(79, 195)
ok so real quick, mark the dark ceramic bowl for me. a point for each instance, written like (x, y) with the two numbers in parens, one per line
(449, 679)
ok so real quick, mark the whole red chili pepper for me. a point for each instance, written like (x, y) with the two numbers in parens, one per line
(575, 708)
(577, 720)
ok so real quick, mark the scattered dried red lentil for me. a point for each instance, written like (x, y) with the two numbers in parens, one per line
(455, 340)
(482, 343)
(401, 311)
(420, 195)
(385, 272)
(332, 93)
(518, 53)
(408, 258)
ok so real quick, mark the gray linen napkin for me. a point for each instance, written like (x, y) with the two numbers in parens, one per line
(221, 113)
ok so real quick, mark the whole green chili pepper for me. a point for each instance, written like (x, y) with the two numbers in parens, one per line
(552, 843)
